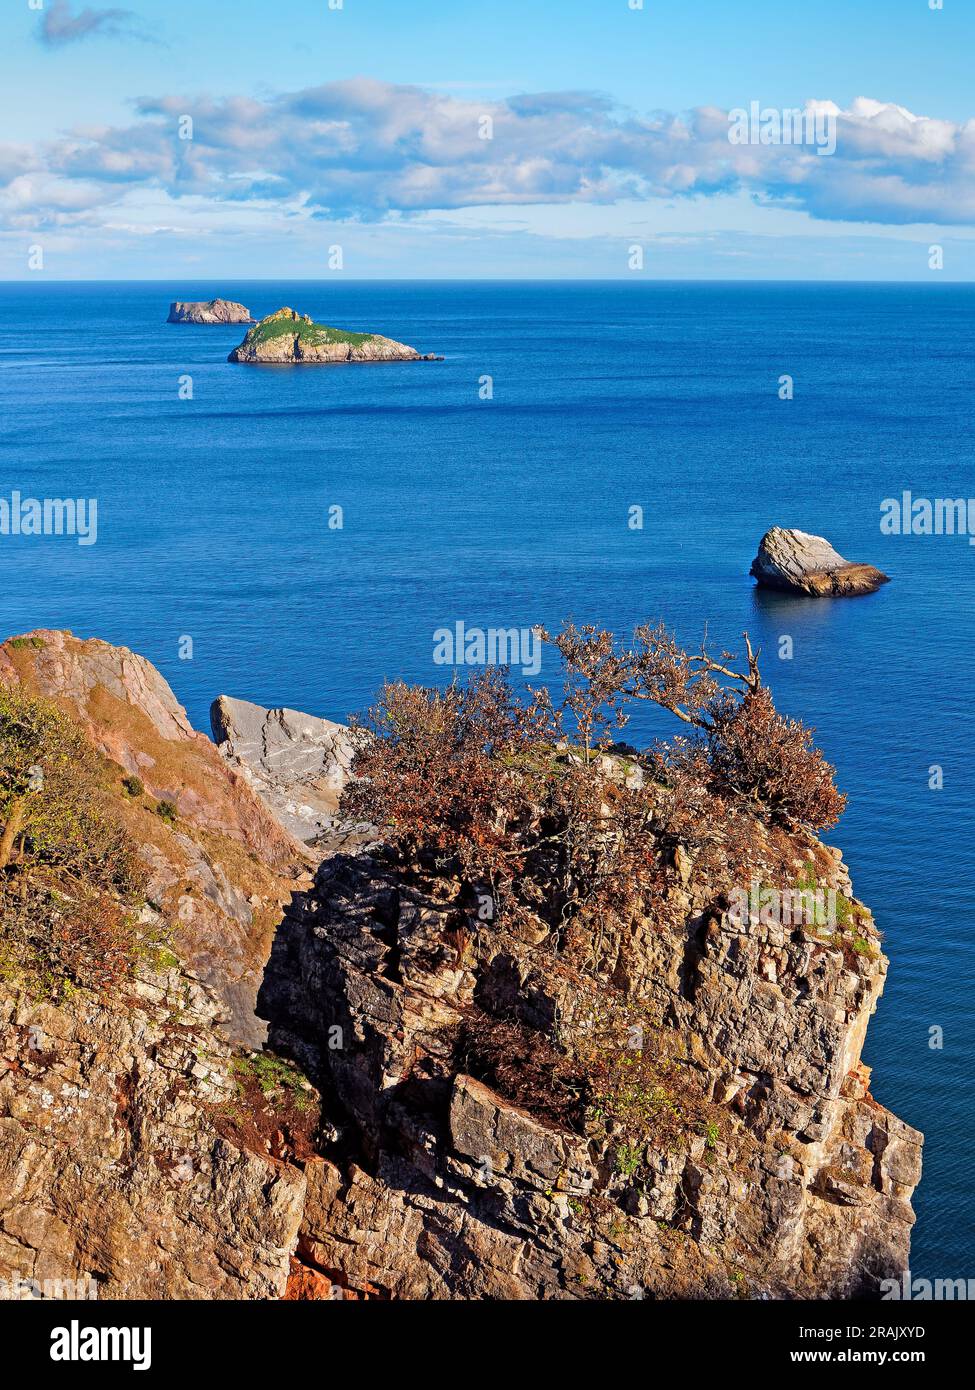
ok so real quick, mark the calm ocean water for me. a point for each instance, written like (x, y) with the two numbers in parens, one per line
(212, 523)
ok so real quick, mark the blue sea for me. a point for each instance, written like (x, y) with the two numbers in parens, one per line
(213, 524)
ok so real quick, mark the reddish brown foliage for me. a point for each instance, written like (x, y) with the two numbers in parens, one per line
(70, 878)
(445, 771)
(282, 1122)
(526, 802)
(757, 753)
(523, 1066)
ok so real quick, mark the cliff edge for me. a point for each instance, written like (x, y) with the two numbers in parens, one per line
(467, 1092)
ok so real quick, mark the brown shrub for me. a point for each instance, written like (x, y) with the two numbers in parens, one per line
(449, 773)
(525, 801)
(635, 1088)
(524, 1067)
(757, 753)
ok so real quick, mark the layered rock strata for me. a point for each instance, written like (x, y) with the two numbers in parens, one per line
(298, 764)
(799, 563)
(797, 1185)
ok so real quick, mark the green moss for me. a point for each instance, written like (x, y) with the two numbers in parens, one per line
(808, 884)
(628, 1159)
(851, 930)
(712, 1133)
(152, 945)
(313, 334)
(272, 1074)
(19, 643)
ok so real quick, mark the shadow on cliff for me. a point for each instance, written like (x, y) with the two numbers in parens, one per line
(328, 997)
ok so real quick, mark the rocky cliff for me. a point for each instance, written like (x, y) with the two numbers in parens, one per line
(772, 1171)
(145, 1151)
(287, 336)
(296, 763)
(223, 866)
(679, 1110)
(119, 1167)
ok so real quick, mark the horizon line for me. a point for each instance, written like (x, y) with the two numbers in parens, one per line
(477, 280)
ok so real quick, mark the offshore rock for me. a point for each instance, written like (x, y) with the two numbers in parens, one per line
(803, 564)
(209, 311)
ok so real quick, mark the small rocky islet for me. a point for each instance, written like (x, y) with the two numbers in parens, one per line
(289, 337)
(209, 311)
(798, 563)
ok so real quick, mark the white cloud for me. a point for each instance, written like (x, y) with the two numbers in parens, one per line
(367, 150)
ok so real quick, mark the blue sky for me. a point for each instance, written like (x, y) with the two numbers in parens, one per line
(363, 127)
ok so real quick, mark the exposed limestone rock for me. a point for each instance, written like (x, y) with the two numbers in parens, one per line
(450, 1190)
(111, 1168)
(484, 1130)
(804, 564)
(435, 1179)
(223, 871)
(297, 764)
(208, 311)
(287, 336)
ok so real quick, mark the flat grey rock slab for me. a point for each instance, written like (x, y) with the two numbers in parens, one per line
(297, 763)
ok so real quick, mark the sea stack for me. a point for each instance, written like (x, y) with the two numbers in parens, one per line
(287, 336)
(799, 563)
(209, 311)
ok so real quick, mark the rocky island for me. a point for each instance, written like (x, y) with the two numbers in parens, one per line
(504, 1060)
(799, 563)
(209, 311)
(287, 336)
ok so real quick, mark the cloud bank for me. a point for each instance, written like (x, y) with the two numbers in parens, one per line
(369, 150)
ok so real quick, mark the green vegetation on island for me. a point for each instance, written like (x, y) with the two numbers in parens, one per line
(312, 334)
